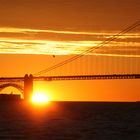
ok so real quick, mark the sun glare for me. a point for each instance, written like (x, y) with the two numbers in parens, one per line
(40, 98)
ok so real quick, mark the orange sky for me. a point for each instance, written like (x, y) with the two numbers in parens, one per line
(32, 31)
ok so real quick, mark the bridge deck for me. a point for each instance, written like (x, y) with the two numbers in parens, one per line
(88, 77)
(74, 77)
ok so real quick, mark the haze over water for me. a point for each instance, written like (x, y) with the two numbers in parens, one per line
(70, 121)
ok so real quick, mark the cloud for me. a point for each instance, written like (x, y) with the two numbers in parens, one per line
(32, 41)
(39, 31)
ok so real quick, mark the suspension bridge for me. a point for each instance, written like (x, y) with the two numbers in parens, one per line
(116, 57)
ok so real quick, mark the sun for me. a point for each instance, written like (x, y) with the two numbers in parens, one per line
(40, 98)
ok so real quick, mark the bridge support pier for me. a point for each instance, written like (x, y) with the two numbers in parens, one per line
(28, 86)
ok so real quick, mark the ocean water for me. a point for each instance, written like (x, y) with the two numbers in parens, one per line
(70, 121)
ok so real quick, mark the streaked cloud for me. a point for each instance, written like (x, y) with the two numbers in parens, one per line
(34, 31)
(36, 41)
(23, 30)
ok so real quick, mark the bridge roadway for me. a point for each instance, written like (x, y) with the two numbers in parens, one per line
(74, 77)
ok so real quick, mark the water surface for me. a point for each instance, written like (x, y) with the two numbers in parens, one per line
(70, 121)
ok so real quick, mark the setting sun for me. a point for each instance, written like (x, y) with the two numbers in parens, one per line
(40, 98)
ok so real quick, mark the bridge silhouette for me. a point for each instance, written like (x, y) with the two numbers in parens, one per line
(96, 63)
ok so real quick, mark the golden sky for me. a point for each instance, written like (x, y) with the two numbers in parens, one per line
(32, 31)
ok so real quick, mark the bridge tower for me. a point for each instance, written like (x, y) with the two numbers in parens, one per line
(28, 86)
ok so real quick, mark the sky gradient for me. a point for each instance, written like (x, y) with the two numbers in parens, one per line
(32, 32)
